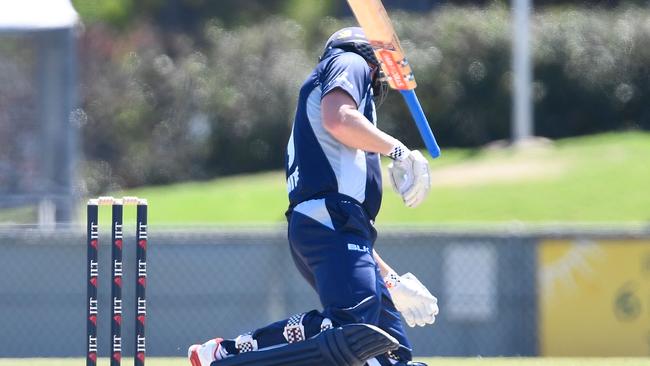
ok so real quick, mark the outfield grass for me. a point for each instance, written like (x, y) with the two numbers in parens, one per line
(429, 361)
(600, 178)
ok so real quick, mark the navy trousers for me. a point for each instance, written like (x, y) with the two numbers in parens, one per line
(331, 242)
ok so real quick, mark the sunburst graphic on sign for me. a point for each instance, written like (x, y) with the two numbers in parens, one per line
(563, 266)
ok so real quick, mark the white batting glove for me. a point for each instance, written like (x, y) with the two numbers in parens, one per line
(412, 299)
(409, 175)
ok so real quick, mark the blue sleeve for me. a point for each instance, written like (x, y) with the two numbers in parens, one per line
(349, 72)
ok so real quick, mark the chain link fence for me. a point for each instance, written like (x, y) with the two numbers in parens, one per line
(38, 129)
(207, 283)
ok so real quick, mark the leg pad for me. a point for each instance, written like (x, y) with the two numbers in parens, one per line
(349, 345)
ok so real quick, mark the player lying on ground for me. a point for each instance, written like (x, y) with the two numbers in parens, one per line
(334, 185)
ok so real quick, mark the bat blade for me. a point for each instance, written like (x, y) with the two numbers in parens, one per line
(379, 30)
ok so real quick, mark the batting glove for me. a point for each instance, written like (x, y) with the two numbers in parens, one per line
(409, 175)
(412, 299)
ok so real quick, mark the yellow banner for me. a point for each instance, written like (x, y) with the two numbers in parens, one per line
(594, 298)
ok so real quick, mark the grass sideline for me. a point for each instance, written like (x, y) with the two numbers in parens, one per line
(597, 179)
(475, 361)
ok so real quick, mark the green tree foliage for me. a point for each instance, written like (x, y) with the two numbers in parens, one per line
(115, 12)
(191, 15)
(155, 119)
(590, 72)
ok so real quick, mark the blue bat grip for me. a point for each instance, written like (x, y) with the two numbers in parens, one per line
(421, 122)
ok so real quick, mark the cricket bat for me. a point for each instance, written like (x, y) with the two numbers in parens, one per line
(374, 20)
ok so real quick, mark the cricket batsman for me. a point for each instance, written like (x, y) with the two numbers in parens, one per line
(334, 186)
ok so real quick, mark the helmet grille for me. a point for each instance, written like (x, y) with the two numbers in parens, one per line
(366, 51)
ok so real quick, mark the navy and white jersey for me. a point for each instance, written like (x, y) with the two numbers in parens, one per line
(317, 164)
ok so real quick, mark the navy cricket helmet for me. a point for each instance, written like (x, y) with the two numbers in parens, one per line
(353, 39)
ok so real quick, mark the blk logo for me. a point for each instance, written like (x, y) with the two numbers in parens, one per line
(358, 248)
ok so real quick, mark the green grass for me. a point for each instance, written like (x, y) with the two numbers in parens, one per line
(20, 214)
(429, 361)
(600, 178)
